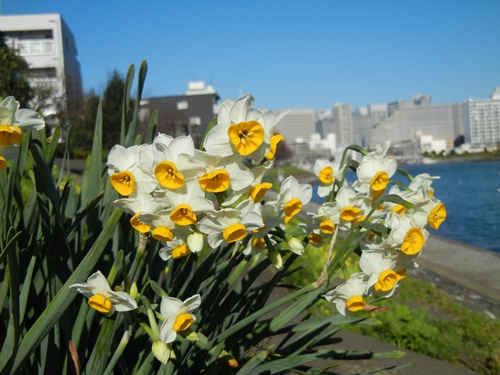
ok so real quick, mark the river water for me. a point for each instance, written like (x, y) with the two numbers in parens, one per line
(471, 193)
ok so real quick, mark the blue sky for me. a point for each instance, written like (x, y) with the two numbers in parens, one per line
(289, 54)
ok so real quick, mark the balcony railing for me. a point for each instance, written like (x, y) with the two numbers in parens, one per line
(33, 47)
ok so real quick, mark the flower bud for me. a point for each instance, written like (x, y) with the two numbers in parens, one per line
(161, 351)
(133, 290)
(195, 241)
(296, 246)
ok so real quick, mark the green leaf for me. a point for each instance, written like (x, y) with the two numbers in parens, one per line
(24, 295)
(127, 88)
(99, 357)
(63, 299)
(252, 318)
(82, 213)
(296, 308)
(51, 147)
(157, 289)
(287, 363)
(132, 131)
(11, 242)
(393, 354)
(404, 173)
(91, 185)
(337, 320)
(257, 359)
(393, 198)
(153, 123)
(8, 345)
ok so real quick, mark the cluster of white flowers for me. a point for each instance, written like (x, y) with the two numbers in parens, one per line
(187, 198)
(184, 196)
(385, 256)
(13, 121)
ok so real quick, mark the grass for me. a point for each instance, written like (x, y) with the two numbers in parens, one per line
(422, 318)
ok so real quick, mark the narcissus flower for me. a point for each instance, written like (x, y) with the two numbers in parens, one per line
(185, 242)
(125, 171)
(242, 130)
(422, 183)
(275, 139)
(349, 297)
(162, 227)
(223, 172)
(177, 316)
(348, 208)
(384, 271)
(231, 225)
(292, 197)
(175, 161)
(437, 216)
(405, 236)
(140, 202)
(374, 172)
(102, 298)
(13, 121)
(256, 188)
(186, 202)
(327, 172)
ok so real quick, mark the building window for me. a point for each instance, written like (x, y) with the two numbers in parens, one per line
(182, 105)
(194, 121)
(42, 73)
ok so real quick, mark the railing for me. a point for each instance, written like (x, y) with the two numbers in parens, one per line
(33, 47)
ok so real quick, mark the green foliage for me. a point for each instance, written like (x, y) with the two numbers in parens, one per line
(82, 130)
(113, 107)
(13, 75)
(408, 329)
(52, 237)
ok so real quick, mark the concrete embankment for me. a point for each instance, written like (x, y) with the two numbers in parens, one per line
(476, 268)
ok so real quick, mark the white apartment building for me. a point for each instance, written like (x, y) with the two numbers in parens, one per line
(49, 48)
(482, 121)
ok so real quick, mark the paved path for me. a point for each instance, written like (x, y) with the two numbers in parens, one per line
(469, 266)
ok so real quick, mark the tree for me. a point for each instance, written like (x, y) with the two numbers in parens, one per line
(83, 128)
(13, 75)
(83, 125)
(112, 110)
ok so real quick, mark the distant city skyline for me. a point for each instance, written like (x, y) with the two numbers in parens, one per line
(293, 54)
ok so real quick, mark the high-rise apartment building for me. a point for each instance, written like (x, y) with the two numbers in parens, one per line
(48, 46)
(482, 121)
(342, 124)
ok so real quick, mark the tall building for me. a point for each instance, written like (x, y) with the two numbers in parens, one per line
(342, 124)
(297, 125)
(49, 48)
(408, 119)
(482, 121)
(182, 114)
(364, 119)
